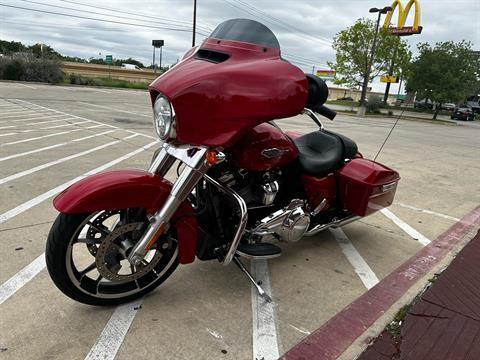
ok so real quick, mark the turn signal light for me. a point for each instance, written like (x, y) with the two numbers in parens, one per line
(213, 157)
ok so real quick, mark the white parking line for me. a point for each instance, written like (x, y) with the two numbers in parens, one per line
(114, 109)
(8, 134)
(405, 227)
(55, 146)
(448, 217)
(112, 336)
(23, 113)
(364, 272)
(35, 118)
(39, 137)
(42, 197)
(44, 122)
(59, 161)
(27, 86)
(17, 281)
(264, 336)
(82, 118)
(69, 124)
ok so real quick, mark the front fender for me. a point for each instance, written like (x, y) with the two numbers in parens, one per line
(130, 189)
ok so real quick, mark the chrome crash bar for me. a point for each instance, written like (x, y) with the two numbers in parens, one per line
(243, 218)
(195, 168)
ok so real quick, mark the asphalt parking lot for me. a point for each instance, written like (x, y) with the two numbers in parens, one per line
(51, 135)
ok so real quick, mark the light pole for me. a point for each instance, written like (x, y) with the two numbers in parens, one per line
(362, 108)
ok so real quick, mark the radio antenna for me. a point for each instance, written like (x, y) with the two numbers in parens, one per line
(388, 136)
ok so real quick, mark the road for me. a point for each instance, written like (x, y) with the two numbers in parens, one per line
(50, 135)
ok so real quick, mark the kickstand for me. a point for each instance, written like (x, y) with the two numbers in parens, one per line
(260, 291)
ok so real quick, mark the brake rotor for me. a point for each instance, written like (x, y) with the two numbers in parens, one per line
(109, 256)
(98, 223)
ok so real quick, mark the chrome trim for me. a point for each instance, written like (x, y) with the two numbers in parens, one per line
(196, 167)
(333, 224)
(270, 191)
(389, 186)
(252, 257)
(243, 218)
(319, 207)
(313, 116)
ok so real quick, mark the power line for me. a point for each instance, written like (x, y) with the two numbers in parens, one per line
(206, 28)
(275, 22)
(321, 38)
(94, 12)
(96, 19)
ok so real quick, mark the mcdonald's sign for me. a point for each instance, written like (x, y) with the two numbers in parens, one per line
(401, 29)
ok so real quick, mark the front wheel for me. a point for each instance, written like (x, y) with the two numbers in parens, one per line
(86, 256)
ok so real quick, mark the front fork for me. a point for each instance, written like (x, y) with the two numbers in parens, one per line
(195, 168)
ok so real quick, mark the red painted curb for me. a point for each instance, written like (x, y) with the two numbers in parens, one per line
(334, 337)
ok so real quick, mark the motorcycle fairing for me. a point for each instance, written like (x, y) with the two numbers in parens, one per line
(121, 189)
(217, 101)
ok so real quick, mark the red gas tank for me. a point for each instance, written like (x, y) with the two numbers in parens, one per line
(262, 148)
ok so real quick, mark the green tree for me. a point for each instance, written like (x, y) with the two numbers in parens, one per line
(446, 72)
(353, 48)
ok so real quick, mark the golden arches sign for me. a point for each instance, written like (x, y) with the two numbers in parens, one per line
(403, 12)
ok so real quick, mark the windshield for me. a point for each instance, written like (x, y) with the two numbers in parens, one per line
(246, 30)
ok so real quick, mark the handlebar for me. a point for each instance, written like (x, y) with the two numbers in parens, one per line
(324, 111)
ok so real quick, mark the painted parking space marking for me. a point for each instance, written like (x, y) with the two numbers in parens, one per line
(42, 197)
(49, 116)
(430, 212)
(39, 137)
(264, 334)
(82, 118)
(27, 86)
(68, 124)
(17, 281)
(114, 109)
(14, 156)
(405, 227)
(21, 113)
(362, 269)
(11, 286)
(112, 336)
(59, 161)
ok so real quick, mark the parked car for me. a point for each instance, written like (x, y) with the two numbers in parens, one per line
(423, 104)
(463, 114)
(448, 107)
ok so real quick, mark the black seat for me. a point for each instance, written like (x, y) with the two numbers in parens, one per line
(322, 152)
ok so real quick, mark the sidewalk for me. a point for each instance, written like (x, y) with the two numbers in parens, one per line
(444, 324)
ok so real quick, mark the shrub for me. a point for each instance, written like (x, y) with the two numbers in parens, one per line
(29, 68)
(374, 104)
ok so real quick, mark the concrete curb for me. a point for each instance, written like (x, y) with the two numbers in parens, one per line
(348, 333)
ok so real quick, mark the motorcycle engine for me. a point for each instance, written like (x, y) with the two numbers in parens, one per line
(267, 218)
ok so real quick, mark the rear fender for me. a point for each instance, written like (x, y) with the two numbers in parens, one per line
(130, 189)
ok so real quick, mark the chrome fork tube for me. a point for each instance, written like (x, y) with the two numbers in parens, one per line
(195, 168)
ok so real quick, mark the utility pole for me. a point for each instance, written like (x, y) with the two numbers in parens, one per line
(390, 73)
(362, 109)
(154, 67)
(194, 22)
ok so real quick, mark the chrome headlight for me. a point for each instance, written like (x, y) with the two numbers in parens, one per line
(164, 118)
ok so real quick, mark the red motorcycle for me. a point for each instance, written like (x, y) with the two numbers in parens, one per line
(245, 183)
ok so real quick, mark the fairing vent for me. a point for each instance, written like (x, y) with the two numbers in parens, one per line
(212, 56)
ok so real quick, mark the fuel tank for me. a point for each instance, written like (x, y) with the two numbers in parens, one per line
(262, 148)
